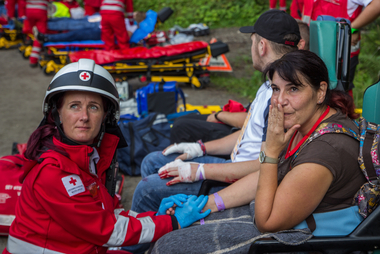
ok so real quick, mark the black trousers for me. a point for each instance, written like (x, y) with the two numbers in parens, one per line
(192, 127)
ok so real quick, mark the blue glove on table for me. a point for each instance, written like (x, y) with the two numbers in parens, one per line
(190, 212)
(168, 202)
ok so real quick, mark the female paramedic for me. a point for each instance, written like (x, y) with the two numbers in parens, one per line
(298, 180)
(65, 205)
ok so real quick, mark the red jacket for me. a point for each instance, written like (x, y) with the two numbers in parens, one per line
(93, 3)
(66, 209)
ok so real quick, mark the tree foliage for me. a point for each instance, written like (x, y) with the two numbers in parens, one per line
(214, 13)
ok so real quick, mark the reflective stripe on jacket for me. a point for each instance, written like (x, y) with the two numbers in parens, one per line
(63, 208)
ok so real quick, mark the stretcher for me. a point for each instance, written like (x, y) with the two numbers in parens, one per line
(58, 50)
(202, 109)
(10, 37)
(178, 62)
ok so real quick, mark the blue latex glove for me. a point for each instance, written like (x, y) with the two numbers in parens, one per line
(191, 211)
(168, 202)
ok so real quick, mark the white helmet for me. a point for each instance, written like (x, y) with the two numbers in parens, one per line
(83, 75)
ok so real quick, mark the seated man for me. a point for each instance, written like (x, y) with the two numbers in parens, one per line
(190, 128)
(276, 33)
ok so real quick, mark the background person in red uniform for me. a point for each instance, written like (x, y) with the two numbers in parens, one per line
(65, 204)
(112, 24)
(296, 9)
(349, 9)
(91, 7)
(11, 8)
(36, 15)
(273, 3)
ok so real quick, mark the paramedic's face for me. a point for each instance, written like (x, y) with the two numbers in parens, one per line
(81, 115)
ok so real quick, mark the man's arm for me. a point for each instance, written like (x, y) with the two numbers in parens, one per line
(222, 146)
(369, 14)
(235, 119)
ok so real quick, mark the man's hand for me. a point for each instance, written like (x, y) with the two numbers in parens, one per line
(211, 118)
(183, 172)
(355, 38)
(189, 150)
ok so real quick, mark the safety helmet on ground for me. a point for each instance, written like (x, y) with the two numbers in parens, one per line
(83, 75)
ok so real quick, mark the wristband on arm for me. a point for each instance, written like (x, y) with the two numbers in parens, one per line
(354, 30)
(219, 202)
(216, 115)
(200, 174)
(203, 147)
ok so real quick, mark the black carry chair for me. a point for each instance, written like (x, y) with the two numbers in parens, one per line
(366, 237)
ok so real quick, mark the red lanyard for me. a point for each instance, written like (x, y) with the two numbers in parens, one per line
(290, 153)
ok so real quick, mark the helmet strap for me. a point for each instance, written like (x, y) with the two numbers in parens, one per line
(102, 131)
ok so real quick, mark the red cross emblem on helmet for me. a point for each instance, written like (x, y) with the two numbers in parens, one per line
(84, 76)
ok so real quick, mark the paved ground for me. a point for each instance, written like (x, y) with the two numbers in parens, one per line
(22, 90)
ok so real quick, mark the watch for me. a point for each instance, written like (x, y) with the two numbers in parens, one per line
(265, 159)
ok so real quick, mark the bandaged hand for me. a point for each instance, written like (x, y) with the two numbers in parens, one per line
(188, 150)
(183, 172)
(168, 204)
(191, 211)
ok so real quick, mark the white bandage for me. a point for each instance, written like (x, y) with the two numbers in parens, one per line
(184, 172)
(200, 175)
(172, 164)
(193, 150)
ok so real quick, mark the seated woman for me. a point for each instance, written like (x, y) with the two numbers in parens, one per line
(293, 183)
(66, 204)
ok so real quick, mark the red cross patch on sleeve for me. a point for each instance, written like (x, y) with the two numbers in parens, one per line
(73, 185)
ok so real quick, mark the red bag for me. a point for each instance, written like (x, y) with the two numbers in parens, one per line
(10, 189)
(234, 106)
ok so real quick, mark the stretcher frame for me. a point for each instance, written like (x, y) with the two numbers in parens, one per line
(10, 38)
(184, 68)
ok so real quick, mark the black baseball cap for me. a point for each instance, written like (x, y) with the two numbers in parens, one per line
(273, 25)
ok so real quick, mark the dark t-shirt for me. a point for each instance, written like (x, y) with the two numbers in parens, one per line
(338, 153)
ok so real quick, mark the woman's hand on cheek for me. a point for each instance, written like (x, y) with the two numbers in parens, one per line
(277, 138)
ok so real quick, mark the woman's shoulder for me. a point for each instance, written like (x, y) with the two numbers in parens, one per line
(54, 159)
(342, 120)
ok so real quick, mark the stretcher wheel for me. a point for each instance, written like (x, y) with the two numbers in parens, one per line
(47, 72)
(26, 53)
(204, 81)
(196, 87)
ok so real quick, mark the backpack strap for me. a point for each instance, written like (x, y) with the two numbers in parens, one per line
(369, 141)
(326, 128)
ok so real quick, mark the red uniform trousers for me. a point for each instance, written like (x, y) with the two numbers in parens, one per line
(273, 3)
(10, 5)
(38, 18)
(113, 25)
